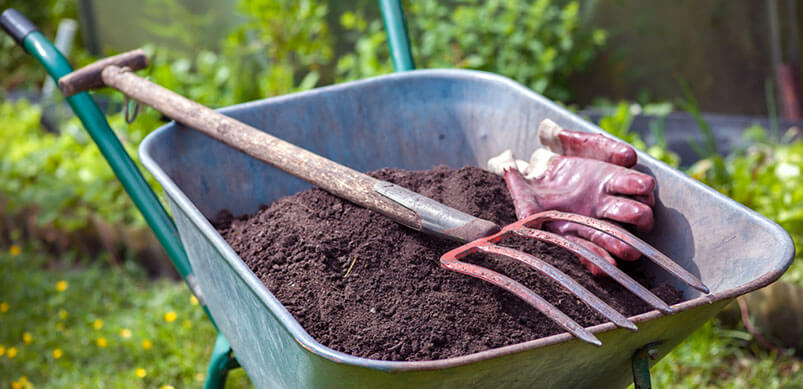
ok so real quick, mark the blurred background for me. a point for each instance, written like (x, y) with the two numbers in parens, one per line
(89, 298)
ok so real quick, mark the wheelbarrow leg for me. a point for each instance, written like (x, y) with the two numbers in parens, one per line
(220, 363)
(641, 365)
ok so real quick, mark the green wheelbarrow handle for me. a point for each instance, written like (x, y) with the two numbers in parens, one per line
(26, 35)
(396, 29)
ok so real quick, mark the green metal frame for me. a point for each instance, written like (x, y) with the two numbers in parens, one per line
(93, 119)
(641, 365)
(396, 28)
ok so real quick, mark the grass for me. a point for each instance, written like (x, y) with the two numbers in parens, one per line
(75, 323)
(717, 357)
(68, 324)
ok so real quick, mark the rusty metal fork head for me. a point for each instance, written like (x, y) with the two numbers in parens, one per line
(530, 228)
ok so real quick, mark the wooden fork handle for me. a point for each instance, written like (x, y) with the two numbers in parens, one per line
(335, 178)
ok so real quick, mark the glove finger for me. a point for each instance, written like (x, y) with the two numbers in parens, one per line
(596, 271)
(597, 146)
(648, 199)
(521, 193)
(626, 211)
(585, 145)
(630, 182)
(614, 246)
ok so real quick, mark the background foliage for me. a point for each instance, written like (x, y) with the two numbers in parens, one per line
(538, 43)
(17, 67)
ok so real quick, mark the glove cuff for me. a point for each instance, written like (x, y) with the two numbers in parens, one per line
(548, 135)
(505, 161)
(539, 162)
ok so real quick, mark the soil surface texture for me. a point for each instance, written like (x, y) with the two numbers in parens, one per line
(362, 284)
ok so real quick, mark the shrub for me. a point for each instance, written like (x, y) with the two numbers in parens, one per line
(539, 43)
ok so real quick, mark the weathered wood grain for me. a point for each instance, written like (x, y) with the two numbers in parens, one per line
(326, 174)
(88, 77)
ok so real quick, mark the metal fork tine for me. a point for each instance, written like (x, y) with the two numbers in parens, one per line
(609, 269)
(567, 282)
(528, 228)
(452, 263)
(621, 234)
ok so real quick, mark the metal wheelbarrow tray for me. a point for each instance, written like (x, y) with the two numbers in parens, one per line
(415, 120)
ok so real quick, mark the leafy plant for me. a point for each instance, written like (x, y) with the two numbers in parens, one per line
(539, 43)
(280, 47)
(618, 123)
(17, 67)
(288, 42)
(62, 177)
(765, 177)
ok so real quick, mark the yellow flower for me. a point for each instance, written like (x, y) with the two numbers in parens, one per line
(23, 382)
(146, 344)
(170, 317)
(27, 338)
(140, 372)
(125, 333)
(199, 377)
(193, 300)
(98, 324)
(16, 385)
(102, 342)
(57, 353)
(3, 307)
(62, 286)
(14, 250)
(11, 352)
(2, 350)
(167, 387)
(62, 314)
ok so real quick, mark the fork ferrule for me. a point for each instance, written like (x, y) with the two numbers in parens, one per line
(436, 218)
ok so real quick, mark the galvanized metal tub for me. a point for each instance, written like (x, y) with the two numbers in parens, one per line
(415, 120)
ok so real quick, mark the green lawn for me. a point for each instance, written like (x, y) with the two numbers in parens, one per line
(68, 323)
(716, 357)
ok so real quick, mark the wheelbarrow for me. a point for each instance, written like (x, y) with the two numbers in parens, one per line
(439, 117)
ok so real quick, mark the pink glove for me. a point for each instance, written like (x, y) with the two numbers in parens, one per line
(585, 186)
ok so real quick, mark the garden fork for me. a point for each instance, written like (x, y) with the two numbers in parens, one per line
(402, 205)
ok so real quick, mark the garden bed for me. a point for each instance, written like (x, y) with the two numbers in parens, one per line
(362, 284)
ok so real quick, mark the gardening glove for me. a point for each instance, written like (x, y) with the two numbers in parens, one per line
(582, 185)
(586, 145)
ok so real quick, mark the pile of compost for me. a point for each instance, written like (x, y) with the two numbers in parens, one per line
(364, 285)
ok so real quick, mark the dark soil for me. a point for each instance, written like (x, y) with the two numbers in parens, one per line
(396, 302)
